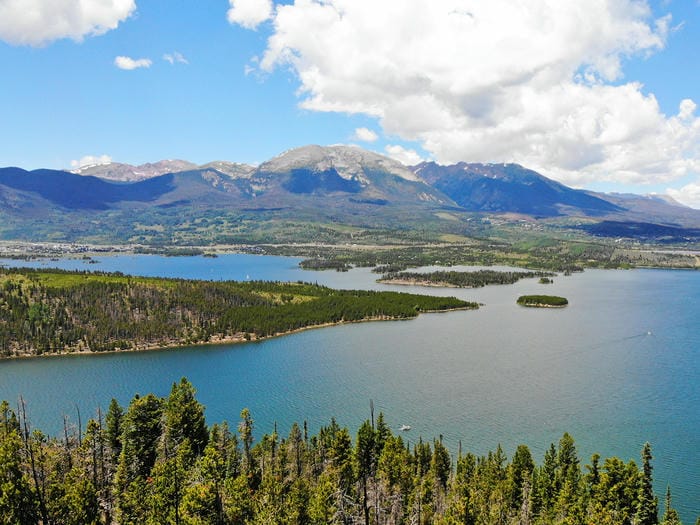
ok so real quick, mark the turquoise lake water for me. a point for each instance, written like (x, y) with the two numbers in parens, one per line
(619, 366)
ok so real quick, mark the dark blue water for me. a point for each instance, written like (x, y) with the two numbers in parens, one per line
(619, 366)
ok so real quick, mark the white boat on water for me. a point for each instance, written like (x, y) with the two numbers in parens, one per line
(405, 428)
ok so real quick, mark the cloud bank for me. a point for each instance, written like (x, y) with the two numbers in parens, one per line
(90, 160)
(406, 156)
(365, 135)
(38, 22)
(249, 13)
(539, 82)
(128, 63)
(688, 194)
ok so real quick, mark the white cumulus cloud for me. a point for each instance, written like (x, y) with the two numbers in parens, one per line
(538, 82)
(175, 58)
(249, 13)
(406, 156)
(128, 63)
(365, 135)
(90, 160)
(38, 22)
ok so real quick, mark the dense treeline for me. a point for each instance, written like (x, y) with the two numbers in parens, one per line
(324, 264)
(55, 311)
(475, 279)
(156, 462)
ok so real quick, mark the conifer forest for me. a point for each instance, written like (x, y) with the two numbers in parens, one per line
(156, 461)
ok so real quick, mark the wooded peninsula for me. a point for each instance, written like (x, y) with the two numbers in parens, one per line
(157, 462)
(455, 279)
(54, 311)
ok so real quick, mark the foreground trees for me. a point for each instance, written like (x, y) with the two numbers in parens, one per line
(156, 462)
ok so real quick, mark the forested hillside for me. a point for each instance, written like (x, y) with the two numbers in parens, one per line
(55, 311)
(156, 461)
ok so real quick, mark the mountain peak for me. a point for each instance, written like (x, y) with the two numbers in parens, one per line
(350, 162)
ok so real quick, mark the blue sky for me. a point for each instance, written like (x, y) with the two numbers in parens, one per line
(600, 95)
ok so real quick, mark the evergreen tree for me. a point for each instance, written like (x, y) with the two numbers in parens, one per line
(8, 419)
(140, 436)
(142, 429)
(78, 504)
(440, 464)
(547, 480)
(113, 429)
(238, 504)
(322, 502)
(592, 479)
(245, 430)
(167, 485)
(647, 513)
(520, 472)
(382, 432)
(365, 459)
(341, 455)
(394, 464)
(670, 516)
(295, 451)
(184, 418)
(568, 462)
(459, 504)
(16, 499)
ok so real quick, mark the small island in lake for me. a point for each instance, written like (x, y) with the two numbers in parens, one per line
(542, 301)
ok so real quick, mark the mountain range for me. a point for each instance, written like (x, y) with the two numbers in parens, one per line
(334, 184)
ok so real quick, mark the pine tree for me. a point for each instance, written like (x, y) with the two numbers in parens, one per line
(670, 516)
(295, 451)
(113, 429)
(322, 507)
(141, 432)
(245, 431)
(440, 464)
(647, 513)
(184, 419)
(519, 473)
(547, 480)
(16, 499)
(365, 459)
(567, 462)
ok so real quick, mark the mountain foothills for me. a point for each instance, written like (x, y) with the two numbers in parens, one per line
(157, 461)
(323, 194)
